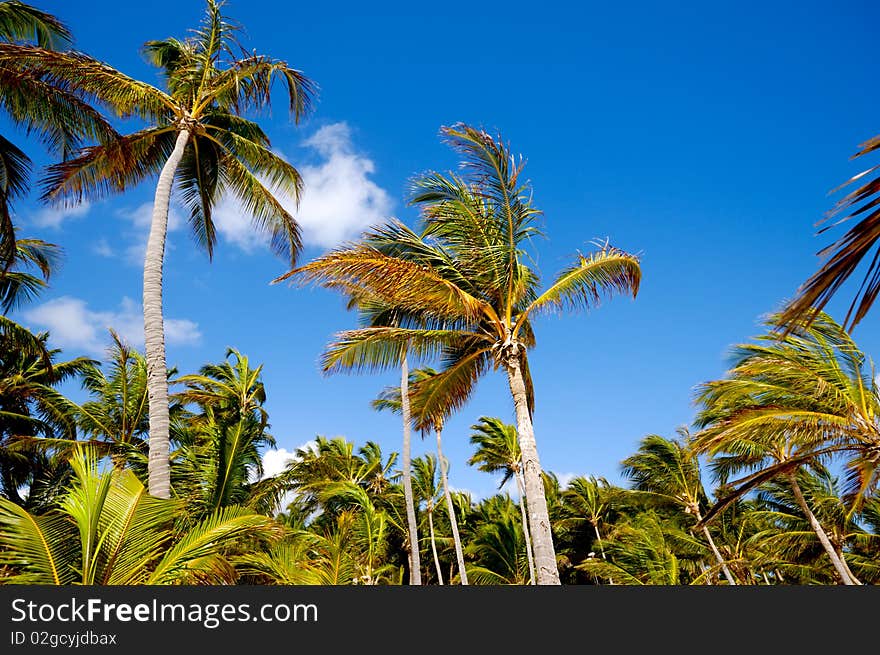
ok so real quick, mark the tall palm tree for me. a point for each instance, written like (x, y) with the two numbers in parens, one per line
(467, 280)
(391, 399)
(196, 139)
(498, 450)
(845, 255)
(670, 470)
(426, 489)
(792, 403)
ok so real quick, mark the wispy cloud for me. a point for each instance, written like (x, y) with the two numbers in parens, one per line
(54, 216)
(75, 327)
(139, 219)
(338, 200)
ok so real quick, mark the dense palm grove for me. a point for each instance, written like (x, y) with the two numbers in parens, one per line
(157, 477)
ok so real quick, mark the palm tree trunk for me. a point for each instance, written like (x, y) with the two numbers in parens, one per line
(846, 566)
(820, 532)
(716, 552)
(415, 574)
(434, 546)
(601, 548)
(450, 508)
(520, 487)
(154, 327)
(539, 517)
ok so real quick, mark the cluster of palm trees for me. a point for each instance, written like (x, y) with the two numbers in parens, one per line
(157, 478)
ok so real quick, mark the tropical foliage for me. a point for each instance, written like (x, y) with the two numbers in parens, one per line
(146, 475)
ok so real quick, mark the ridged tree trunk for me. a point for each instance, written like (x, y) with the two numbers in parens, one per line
(450, 508)
(415, 573)
(715, 551)
(154, 327)
(547, 572)
(434, 546)
(839, 567)
(520, 487)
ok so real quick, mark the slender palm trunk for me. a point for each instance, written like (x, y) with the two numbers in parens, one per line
(846, 566)
(520, 487)
(839, 566)
(415, 573)
(154, 327)
(450, 508)
(601, 547)
(715, 550)
(539, 517)
(434, 546)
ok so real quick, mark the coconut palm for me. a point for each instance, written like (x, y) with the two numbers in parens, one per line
(467, 281)
(391, 399)
(197, 141)
(426, 489)
(845, 255)
(497, 544)
(117, 411)
(108, 530)
(498, 450)
(222, 450)
(646, 550)
(670, 470)
(793, 403)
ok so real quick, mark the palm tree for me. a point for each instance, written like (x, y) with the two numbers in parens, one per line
(51, 109)
(670, 470)
(391, 399)
(497, 544)
(793, 403)
(498, 450)
(117, 412)
(222, 453)
(426, 489)
(846, 254)
(466, 279)
(588, 501)
(109, 531)
(34, 415)
(646, 550)
(789, 534)
(197, 139)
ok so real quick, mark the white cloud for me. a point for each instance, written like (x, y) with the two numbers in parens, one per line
(102, 248)
(275, 461)
(54, 216)
(338, 201)
(565, 478)
(74, 326)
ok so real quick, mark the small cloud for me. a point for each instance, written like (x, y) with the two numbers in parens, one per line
(338, 200)
(565, 479)
(102, 248)
(74, 326)
(54, 216)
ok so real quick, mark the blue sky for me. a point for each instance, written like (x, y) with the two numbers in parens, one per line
(704, 136)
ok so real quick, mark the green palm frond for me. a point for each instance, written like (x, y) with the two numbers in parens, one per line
(382, 348)
(604, 272)
(192, 556)
(22, 22)
(39, 549)
(94, 79)
(397, 282)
